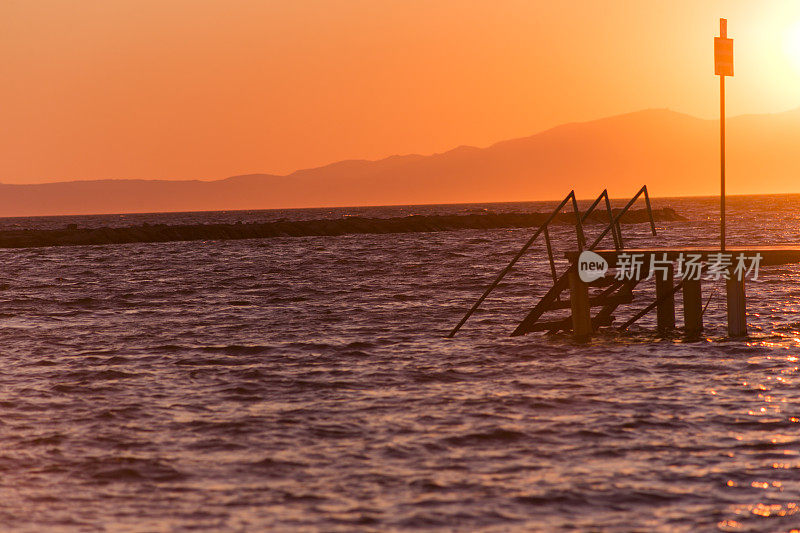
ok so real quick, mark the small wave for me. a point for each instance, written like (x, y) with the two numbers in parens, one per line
(207, 361)
(94, 375)
(450, 376)
(359, 345)
(130, 469)
(49, 440)
(495, 435)
(81, 302)
(273, 467)
(237, 349)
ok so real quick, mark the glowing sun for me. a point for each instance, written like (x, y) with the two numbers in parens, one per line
(791, 43)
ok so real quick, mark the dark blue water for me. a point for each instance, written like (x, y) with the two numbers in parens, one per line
(306, 384)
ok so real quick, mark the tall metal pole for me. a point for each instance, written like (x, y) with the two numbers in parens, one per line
(722, 162)
(723, 66)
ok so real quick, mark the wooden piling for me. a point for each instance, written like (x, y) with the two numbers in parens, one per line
(579, 303)
(692, 307)
(665, 295)
(737, 315)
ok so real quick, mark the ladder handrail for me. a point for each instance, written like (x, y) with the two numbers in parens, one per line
(624, 210)
(581, 236)
(614, 233)
(522, 251)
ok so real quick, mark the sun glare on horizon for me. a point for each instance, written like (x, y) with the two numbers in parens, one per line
(791, 43)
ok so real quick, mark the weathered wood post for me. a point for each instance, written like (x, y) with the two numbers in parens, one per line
(692, 307)
(665, 296)
(579, 303)
(737, 312)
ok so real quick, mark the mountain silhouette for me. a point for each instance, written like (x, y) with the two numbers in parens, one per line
(673, 153)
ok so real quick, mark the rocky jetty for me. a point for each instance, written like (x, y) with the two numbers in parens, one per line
(75, 236)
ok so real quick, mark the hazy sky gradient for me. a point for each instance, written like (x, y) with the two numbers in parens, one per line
(206, 89)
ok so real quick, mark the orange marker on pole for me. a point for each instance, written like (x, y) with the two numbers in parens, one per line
(723, 66)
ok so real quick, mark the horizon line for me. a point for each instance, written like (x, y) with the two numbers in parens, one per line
(373, 206)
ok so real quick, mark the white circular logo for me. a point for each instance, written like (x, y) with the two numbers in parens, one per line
(591, 266)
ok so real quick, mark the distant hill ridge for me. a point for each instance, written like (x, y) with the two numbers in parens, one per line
(673, 153)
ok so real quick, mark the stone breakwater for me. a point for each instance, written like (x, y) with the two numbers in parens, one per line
(75, 236)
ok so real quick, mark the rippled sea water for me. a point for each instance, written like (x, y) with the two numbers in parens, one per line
(306, 384)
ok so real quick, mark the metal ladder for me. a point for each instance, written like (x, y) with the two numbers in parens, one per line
(614, 293)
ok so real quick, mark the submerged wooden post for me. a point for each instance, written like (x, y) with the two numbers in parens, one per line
(579, 302)
(665, 296)
(692, 307)
(737, 316)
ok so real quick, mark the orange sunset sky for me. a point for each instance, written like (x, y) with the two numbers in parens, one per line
(205, 89)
